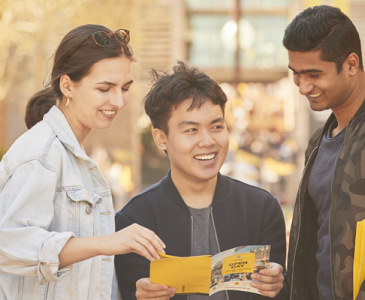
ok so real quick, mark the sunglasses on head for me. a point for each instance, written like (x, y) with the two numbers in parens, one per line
(102, 38)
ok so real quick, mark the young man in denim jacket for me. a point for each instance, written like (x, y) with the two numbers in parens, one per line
(195, 210)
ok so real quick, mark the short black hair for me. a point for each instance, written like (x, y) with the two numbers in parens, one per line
(326, 29)
(170, 90)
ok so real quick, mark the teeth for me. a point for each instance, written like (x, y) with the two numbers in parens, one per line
(205, 157)
(109, 112)
(316, 95)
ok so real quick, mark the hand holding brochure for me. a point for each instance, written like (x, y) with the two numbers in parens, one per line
(227, 270)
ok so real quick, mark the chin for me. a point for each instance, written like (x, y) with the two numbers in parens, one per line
(103, 126)
(206, 176)
(317, 108)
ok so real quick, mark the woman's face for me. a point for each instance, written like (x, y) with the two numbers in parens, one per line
(97, 99)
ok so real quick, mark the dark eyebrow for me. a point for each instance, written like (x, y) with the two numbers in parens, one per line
(306, 71)
(218, 120)
(107, 82)
(114, 84)
(187, 122)
(129, 82)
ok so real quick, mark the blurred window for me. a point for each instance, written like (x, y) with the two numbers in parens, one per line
(207, 48)
(212, 39)
(209, 4)
(264, 3)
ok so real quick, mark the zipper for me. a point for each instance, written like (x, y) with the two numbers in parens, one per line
(330, 218)
(215, 231)
(216, 239)
(191, 242)
(300, 221)
(192, 235)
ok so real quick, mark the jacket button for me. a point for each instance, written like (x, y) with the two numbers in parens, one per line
(99, 201)
(88, 210)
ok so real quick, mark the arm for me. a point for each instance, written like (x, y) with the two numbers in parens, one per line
(27, 248)
(273, 233)
(133, 238)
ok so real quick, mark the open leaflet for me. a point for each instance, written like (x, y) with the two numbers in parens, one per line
(227, 270)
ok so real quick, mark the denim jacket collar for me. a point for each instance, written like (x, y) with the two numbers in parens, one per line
(60, 126)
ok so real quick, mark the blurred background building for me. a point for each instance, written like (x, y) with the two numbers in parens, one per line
(237, 43)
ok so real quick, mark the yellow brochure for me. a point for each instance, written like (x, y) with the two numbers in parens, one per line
(359, 258)
(227, 270)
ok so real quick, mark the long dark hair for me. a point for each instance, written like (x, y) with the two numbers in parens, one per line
(76, 65)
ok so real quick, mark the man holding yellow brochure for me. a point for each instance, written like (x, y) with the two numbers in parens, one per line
(195, 210)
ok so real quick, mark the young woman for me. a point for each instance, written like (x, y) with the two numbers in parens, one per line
(57, 236)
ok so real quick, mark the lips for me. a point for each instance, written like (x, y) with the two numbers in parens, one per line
(110, 114)
(205, 157)
(315, 95)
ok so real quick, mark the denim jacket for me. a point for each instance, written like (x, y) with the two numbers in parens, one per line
(51, 191)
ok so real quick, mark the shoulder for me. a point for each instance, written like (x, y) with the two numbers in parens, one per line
(148, 196)
(240, 188)
(38, 143)
(251, 199)
(140, 206)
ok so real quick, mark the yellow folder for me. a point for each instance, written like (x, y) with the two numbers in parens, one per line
(177, 272)
(359, 258)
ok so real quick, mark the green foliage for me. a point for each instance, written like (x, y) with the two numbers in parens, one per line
(32, 29)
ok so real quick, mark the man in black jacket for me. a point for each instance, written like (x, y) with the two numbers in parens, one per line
(195, 210)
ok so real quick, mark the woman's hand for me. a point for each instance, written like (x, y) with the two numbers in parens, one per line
(134, 238)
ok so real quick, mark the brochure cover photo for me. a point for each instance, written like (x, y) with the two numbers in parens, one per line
(227, 270)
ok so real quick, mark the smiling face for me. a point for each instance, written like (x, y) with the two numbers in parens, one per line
(319, 81)
(98, 97)
(197, 142)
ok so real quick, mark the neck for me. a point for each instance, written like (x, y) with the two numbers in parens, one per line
(79, 132)
(347, 111)
(195, 193)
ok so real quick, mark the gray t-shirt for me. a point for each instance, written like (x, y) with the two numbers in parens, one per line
(204, 243)
(319, 189)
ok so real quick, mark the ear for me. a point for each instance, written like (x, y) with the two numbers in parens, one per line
(160, 139)
(352, 63)
(65, 85)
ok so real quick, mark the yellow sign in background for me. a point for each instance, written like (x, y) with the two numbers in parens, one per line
(239, 263)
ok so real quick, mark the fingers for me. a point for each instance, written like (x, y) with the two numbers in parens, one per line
(156, 242)
(146, 289)
(272, 274)
(147, 242)
(138, 239)
(271, 280)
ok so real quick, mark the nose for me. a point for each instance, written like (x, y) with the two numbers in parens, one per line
(206, 140)
(304, 86)
(119, 100)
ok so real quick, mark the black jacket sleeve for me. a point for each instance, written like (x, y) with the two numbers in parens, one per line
(129, 267)
(273, 233)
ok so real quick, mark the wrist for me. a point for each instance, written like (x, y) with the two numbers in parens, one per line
(103, 245)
